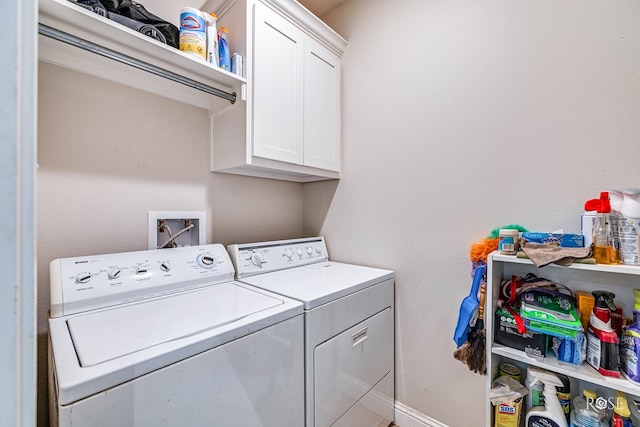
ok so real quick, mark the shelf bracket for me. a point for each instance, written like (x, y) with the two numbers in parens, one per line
(133, 62)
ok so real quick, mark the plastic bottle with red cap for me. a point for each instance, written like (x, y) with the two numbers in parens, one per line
(604, 248)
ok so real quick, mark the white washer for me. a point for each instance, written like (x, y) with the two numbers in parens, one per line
(166, 337)
(349, 327)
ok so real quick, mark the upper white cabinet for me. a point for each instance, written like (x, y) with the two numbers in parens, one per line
(321, 107)
(78, 39)
(281, 120)
(278, 92)
(292, 116)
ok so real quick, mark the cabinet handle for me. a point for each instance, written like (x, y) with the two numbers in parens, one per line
(359, 337)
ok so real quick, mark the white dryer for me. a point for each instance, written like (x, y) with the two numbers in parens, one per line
(166, 337)
(349, 327)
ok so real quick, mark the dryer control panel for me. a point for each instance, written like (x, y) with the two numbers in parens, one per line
(257, 258)
(92, 282)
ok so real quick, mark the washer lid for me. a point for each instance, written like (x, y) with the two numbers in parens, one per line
(105, 335)
(320, 283)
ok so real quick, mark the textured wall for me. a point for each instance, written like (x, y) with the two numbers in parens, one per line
(460, 116)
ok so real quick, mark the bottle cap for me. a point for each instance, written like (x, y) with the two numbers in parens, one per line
(601, 205)
(604, 299)
(622, 407)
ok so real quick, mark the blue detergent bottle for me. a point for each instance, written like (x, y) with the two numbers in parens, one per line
(630, 344)
(224, 57)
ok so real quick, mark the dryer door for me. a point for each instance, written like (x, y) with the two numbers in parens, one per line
(349, 365)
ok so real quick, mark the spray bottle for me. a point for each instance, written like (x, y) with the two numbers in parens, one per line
(551, 414)
(602, 340)
(604, 248)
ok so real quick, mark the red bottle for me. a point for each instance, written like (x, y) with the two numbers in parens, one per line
(602, 340)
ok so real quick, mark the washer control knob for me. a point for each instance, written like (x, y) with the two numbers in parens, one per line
(114, 273)
(299, 252)
(207, 261)
(309, 251)
(256, 259)
(318, 250)
(82, 278)
(141, 270)
(164, 266)
(289, 253)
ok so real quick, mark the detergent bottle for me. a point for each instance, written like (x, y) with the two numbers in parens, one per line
(602, 340)
(224, 56)
(551, 414)
(621, 412)
(604, 248)
(630, 344)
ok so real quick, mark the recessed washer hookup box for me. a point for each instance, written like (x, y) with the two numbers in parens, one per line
(562, 240)
(506, 333)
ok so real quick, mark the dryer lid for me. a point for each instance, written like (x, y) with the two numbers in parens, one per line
(106, 335)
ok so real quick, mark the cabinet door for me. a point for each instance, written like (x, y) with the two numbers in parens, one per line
(321, 107)
(278, 55)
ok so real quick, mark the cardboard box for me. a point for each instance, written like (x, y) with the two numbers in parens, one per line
(563, 240)
(506, 333)
(508, 414)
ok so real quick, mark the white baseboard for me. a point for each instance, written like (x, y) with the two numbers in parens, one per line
(408, 417)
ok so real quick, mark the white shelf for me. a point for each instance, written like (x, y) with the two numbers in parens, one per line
(76, 21)
(620, 279)
(618, 268)
(582, 372)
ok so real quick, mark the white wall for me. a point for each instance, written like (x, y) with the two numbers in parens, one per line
(458, 117)
(108, 154)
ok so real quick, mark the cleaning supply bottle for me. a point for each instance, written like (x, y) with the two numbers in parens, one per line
(630, 344)
(604, 248)
(634, 408)
(551, 414)
(535, 397)
(621, 412)
(629, 227)
(224, 56)
(602, 340)
(615, 199)
(564, 395)
(212, 39)
(585, 411)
